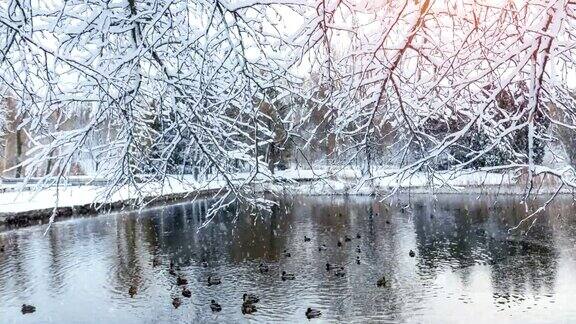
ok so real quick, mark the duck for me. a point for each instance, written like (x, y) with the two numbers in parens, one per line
(186, 292)
(204, 263)
(358, 250)
(214, 280)
(27, 309)
(329, 266)
(181, 281)
(306, 238)
(250, 298)
(381, 282)
(263, 268)
(132, 291)
(358, 236)
(312, 313)
(357, 260)
(248, 308)
(322, 247)
(347, 238)
(171, 269)
(1, 248)
(176, 302)
(288, 276)
(339, 243)
(412, 253)
(286, 253)
(156, 261)
(340, 272)
(387, 222)
(214, 306)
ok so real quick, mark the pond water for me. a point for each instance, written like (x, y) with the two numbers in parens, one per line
(467, 265)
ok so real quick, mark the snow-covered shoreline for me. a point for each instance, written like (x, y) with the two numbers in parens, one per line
(22, 206)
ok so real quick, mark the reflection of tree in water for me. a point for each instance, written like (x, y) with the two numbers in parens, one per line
(460, 234)
(14, 261)
(448, 235)
(230, 237)
(358, 295)
(526, 262)
(128, 261)
(56, 260)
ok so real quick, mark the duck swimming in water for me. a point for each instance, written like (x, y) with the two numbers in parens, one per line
(214, 280)
(27, 309)
(176, 302)
(132, 291)
(381, 282)
(248, 308)
(288, 276)
(263, 268)
(411, 254)
(186, 292)
(181, 281)
(171, 269)
(312, 313)
(306, 238)
(340, 272)
(156, 262)
(214, 306)
(250, 298)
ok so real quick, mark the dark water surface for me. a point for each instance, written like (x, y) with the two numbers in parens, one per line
(467, 267)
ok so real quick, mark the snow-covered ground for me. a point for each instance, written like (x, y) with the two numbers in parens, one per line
(349, 181)
(17, 201)
(313, 182)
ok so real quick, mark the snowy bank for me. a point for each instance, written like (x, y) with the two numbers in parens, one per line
(22, 206)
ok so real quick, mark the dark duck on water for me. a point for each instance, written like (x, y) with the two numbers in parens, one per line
(180, 281)
(214, 306)
(132, 291)
(340, 272)
(263, 268)
(251, 298)
(214, 280)
(27, 309)
(312, 313)
(381, 282)
(287, 276)
(248, 308)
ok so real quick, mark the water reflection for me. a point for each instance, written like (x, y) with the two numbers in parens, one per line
(467, 262)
